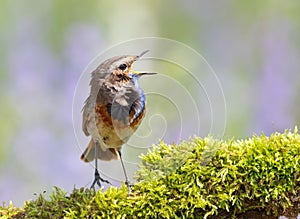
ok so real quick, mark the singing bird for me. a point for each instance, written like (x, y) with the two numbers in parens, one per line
(113, 111)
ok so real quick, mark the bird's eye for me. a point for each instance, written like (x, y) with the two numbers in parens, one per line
(122, 67)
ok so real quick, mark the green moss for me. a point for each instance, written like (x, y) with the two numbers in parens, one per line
(202, 178)
(9, 211)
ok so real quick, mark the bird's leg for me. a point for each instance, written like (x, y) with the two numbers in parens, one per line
(97, 178)
(125, 174)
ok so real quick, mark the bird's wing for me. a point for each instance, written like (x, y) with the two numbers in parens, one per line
(86, 117)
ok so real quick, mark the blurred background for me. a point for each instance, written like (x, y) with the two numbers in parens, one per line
(46, 46)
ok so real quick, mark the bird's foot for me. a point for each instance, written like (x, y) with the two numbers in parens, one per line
(98, 179)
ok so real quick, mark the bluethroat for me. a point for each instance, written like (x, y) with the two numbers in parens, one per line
(113, 111)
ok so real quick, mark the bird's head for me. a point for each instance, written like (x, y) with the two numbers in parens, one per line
(119, 68)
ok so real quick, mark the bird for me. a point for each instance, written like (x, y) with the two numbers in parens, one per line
(113, 111)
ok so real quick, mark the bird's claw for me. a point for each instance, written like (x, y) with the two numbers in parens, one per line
(98, 179)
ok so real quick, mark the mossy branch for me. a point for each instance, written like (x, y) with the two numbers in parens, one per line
(202, 178)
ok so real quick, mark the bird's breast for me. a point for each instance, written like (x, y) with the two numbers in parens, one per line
(118, 118)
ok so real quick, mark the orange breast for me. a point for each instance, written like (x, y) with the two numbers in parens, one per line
(137, 121)
(113, 132)
(102, 114)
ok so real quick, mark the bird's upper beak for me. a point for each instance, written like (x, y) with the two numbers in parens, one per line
(137, 73)
(142, 53)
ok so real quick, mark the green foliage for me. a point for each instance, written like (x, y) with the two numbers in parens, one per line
(202, 178)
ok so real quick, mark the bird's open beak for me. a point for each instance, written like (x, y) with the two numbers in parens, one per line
(137, 73)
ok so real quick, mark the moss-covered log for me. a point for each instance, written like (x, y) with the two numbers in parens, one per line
(257, 177)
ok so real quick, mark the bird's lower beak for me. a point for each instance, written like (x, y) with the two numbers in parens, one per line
(143, 73)
(138, 73)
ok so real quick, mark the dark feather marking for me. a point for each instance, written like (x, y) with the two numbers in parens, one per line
(137, 107)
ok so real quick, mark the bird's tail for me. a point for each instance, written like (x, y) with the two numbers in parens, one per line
(103, 153)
